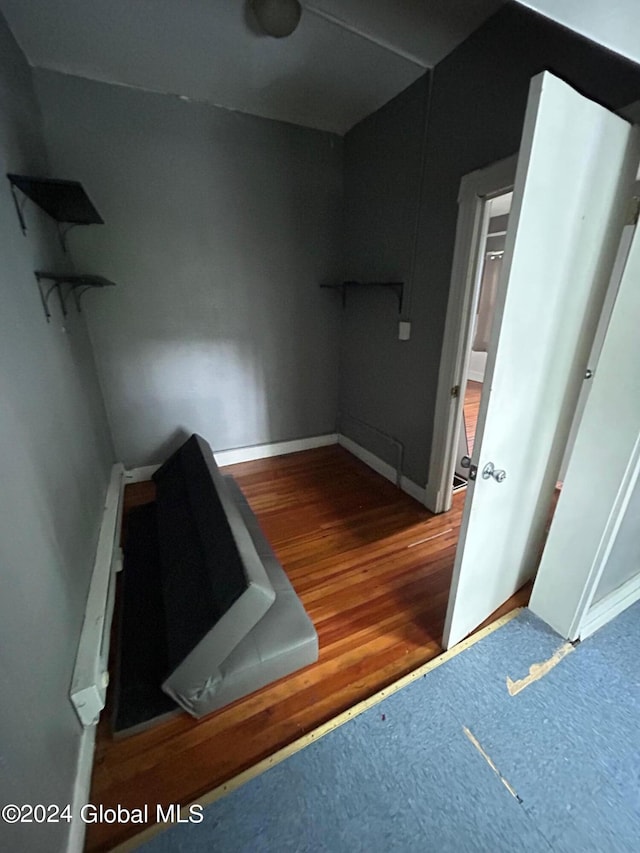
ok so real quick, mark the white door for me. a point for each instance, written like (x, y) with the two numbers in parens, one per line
(576, 161)
(600, 490)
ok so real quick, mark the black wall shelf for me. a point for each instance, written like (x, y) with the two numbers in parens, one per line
(344, 286)
(65, 201)
(77, 285)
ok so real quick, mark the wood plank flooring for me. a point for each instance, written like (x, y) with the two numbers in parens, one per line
(471, 408)
(372, 567)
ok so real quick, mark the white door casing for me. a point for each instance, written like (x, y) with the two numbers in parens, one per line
(576, 159)
(468, 258)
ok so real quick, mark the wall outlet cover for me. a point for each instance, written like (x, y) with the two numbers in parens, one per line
(404, 330)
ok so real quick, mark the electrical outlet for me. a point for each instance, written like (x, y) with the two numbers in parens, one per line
(404, 330)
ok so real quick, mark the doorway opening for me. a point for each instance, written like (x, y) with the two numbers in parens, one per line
(482, 305)
(476, 236)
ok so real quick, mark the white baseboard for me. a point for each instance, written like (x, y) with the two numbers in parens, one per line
(81, 790)
(610, 606)
(263, 451)
(140, 475)
(417, 492)
(379, 466)
(90, 677)
(383, 468)
(89, 684)
(245, 454)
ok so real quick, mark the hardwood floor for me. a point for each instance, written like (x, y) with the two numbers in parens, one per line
(471, 407)
(372, 567)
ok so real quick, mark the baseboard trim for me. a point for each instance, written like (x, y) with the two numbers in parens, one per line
(81, 790)
(475, 375)
(383, 468)
(245, 454)
(413, 489)
(140, 475)
(264, 451)
(280, 448)
(610, 606)
(89, 683)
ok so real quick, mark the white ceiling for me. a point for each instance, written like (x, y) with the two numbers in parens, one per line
(612, 23)
(346, 59)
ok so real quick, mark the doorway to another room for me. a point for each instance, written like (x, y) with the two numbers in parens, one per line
(482, 310)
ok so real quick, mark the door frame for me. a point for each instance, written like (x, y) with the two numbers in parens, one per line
(476, 189)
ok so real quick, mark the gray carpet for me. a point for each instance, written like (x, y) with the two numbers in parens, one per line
(453, 762)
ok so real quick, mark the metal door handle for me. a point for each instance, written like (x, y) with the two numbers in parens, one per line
(490, 470)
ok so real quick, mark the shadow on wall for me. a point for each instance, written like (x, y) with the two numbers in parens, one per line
(220, 227)
(169, 447)
(204, 384)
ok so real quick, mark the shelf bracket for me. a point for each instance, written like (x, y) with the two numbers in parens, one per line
(19, 211)
(78, 292)
(45, 293)
(62, 234)
(76, 284)
(396, 286)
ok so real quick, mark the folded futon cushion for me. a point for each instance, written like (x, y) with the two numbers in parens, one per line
(214, 586)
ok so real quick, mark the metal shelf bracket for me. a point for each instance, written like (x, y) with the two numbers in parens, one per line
(75, 284)
(396, 286)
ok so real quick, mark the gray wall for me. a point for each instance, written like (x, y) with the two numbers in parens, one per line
(220, 228)
(54, 462)
(476, 110)
(382, 167)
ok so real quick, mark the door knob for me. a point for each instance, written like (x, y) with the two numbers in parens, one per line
(490, 470)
